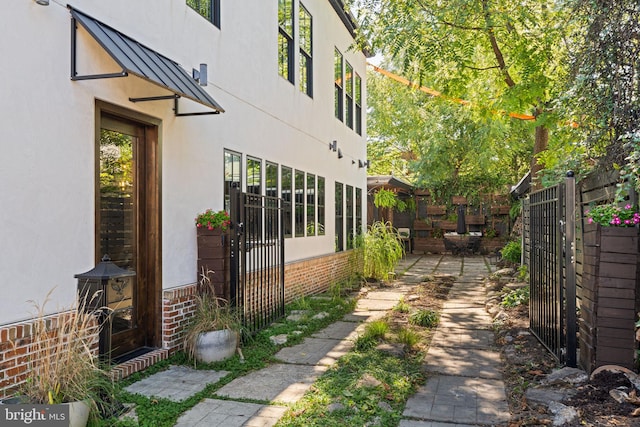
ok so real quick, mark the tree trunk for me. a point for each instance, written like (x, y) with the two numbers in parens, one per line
(540, 144)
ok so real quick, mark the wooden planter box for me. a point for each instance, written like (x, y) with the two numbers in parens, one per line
(421, 225)
(428, 245)
(458, 200)
(447, 225)
(421, 193)
(436, 210)
(475, 219)
(213, 259)
(609, 292)
(489, 245)
(500, 210)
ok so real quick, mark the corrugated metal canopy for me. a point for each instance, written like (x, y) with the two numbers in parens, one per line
(146, 63)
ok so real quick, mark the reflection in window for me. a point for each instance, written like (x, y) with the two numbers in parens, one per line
(254, 176)
(299, 203)
(358, 231)
(285, 39)
(286, 192)
(348, 91)
(349, 217)
(338, 88)
(306, 64)
(358, 102)
(311, 205)
(339, 217)
(271, 178)
(320, 199)
(210, 9)
(232, 175)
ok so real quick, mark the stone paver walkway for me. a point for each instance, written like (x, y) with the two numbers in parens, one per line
(464, 384)
(464, 381)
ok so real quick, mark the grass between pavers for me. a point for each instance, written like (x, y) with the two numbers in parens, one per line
(258, 352)
(343, 396)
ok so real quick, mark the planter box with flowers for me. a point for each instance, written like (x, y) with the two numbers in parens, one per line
(609, 287)
(214, 250)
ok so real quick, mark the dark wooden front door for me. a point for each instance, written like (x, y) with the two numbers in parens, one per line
(127, 225)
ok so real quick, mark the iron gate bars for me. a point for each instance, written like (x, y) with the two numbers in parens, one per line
(552, 306)
(257, 258)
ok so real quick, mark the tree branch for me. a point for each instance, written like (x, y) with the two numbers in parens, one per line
(494, 45)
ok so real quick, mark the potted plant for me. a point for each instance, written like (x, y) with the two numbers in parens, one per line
(213, 333)
(62, 364)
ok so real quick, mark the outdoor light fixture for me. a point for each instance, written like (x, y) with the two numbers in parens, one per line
(333, 146)
(42, 2)
(360, 164)
(199, 75)
(340, 153)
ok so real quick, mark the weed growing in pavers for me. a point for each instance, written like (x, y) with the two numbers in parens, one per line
(402, 306)
(373, 333)
(425, 318)
(340, 397)
(408, 337)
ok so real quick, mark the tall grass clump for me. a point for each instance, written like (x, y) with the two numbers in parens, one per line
(382, 250)
(62, 362)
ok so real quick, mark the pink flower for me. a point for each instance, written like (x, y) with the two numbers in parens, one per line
(627, 221)
(628, 207)
(590, 220)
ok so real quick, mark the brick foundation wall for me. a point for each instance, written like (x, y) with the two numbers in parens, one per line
(306, 277)
(16, 353)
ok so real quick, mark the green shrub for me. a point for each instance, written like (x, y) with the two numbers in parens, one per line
(516, 297)
(373, 332)
(512, 252)
(425, 318)
(382, 250)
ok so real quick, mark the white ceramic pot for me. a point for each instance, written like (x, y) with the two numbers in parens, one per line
(78, 413)
(214, 346)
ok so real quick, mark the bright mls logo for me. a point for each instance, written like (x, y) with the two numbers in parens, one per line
(34, 415)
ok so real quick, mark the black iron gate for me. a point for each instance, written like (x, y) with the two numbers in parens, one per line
(257, 258)
(550, 248)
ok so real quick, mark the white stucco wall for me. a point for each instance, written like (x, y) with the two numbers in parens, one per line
(47, 127)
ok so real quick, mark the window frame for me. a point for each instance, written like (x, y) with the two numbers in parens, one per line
(252, 178)
(358, 104)
(227, 187)
(306, 52)
(311, 203)
(287, 200)
(349, 215)
(286, 30)
(339, 217)
(299, 223)
(348, 94)
(320, 201)
(338, 90)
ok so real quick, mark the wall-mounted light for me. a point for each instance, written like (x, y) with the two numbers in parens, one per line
(363, 164)
(333, 146)
(340, 153)
(42, 2)
(199, 75)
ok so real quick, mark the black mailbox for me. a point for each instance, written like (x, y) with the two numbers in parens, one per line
(108, 289)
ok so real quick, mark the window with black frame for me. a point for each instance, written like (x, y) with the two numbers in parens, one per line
(349, 208)
(338, 84)
(321, 212)
(358, 102)
(209, 9)
(285, 39)
(358, 230)
(306, 62)
(299, 204)
(232, 175)
(339, 200)
(348, 91)
(286, 193)
(311, 205)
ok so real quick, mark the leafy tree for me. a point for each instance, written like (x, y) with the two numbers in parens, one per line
(503, 54)
(605, 81)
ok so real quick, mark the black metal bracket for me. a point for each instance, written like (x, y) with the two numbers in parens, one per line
(178, 114)
(74, 69)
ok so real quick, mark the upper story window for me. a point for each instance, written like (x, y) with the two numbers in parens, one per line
(358, 101)
(348, 91)
(285, 39)
(210, 9)
(232, 175)
(306, 68)
(338, 84)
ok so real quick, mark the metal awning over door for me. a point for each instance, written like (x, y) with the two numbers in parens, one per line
(141, 61)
